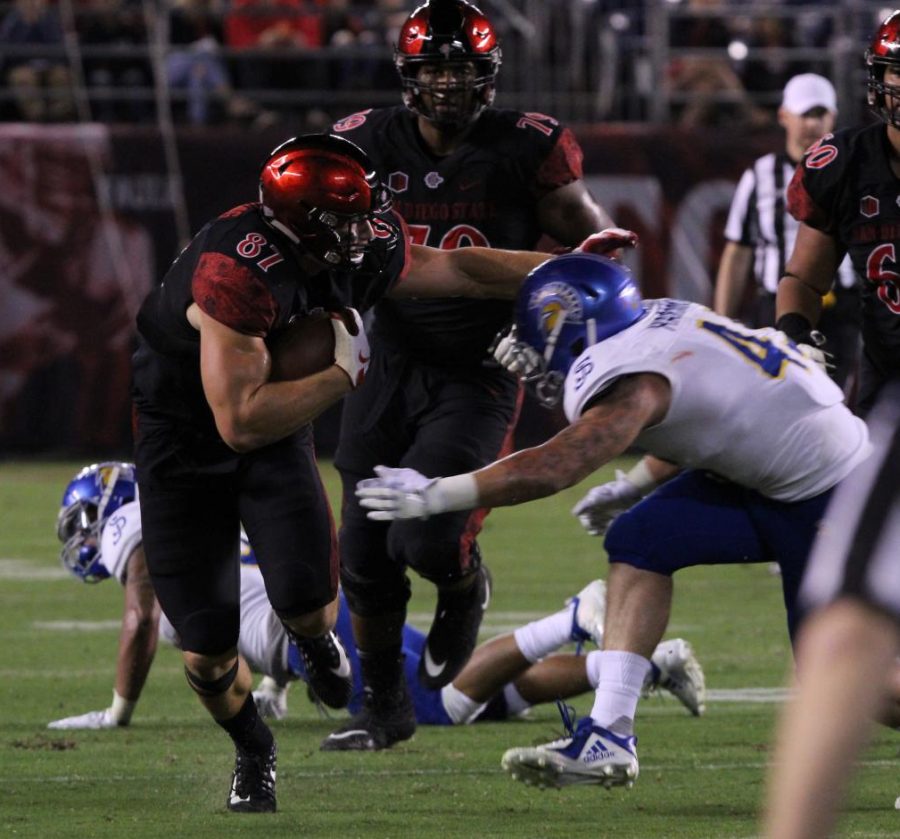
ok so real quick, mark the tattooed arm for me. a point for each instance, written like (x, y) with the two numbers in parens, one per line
(606, 429)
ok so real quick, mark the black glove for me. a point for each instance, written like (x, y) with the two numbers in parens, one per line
(809, 341)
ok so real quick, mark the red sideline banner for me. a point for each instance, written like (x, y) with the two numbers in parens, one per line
(92, 216)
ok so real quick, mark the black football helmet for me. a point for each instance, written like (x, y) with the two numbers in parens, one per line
(448, 32)
(883, 52)
(315, 188)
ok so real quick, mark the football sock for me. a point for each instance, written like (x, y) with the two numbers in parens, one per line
(618, 690)
(546, 635)
(459, 707)
(592, 664)
(515, 704)
(248, 730)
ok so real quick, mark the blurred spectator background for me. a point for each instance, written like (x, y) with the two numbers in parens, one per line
(305, 62)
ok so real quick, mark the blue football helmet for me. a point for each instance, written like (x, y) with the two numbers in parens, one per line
(568, 304)
(91, 497)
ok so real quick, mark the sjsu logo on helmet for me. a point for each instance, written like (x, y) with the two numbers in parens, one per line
(556, 300)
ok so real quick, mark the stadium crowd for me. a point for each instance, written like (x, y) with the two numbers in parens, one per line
(260, 62)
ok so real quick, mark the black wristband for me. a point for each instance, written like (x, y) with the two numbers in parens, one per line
(794, 325)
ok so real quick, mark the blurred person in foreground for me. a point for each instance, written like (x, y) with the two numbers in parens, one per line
(844, 194)
(760, 430)
(760, 231)
(219, 444)
(99, 524)
(463, 173)
(848, 647)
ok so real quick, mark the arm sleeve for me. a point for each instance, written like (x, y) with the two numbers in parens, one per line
(233, 295)
(561, 166)
(803, 206)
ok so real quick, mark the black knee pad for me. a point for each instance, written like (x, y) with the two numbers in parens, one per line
(380, 596)
(450, 572)
(212, 687)
(210, 631)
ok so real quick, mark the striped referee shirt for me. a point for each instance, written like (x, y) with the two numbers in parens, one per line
(759, 219)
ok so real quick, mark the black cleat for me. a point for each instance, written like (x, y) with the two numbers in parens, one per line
(377, 726)
(253, 783)
(327, 669)
(454, 631)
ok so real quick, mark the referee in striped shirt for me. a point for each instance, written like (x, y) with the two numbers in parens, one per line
(760, 232)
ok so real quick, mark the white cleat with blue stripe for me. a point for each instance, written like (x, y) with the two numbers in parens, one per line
(591, 755)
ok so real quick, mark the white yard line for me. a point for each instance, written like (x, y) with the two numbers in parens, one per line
(22, 569)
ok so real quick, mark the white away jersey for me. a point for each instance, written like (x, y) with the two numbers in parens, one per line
(263, 641)
(121, 535)
(746, 404)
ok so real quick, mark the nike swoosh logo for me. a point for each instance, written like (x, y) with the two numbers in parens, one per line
(432, 668)
(342, 671)
(487, 596)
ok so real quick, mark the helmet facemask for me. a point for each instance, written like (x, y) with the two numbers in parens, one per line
(322, 192)
(450, 93)
(447, 56)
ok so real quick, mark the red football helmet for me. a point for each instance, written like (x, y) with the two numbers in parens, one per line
(884, 52)
(456, 35)
(316, 189)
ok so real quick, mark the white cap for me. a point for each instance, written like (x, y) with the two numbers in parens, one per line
(807, 91)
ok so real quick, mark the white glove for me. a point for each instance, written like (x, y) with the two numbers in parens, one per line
(515, 355)
(271, 699)
(351, 347)
(602, 504)
(398, 494)
(91, 720)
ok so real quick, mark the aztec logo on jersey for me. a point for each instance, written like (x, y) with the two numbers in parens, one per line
(868, 206)
(398, 182)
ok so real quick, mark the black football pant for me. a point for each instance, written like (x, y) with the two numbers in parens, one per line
(440, 422)
(191, 514)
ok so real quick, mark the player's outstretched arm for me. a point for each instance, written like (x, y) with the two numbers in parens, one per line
(488, 272)
(604, 430)
(137, 648)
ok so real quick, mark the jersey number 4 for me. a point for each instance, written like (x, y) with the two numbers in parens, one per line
(761, 351)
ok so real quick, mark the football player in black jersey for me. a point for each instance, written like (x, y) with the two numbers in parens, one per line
(462, 173)
(219, 444)
(846, 194)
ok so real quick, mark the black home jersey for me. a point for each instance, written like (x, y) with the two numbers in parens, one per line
(483, 194)
(246, 275)
(845, 187)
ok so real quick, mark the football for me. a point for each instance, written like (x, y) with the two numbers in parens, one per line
(305, 346)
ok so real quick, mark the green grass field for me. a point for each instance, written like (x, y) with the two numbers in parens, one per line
(167, 774)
